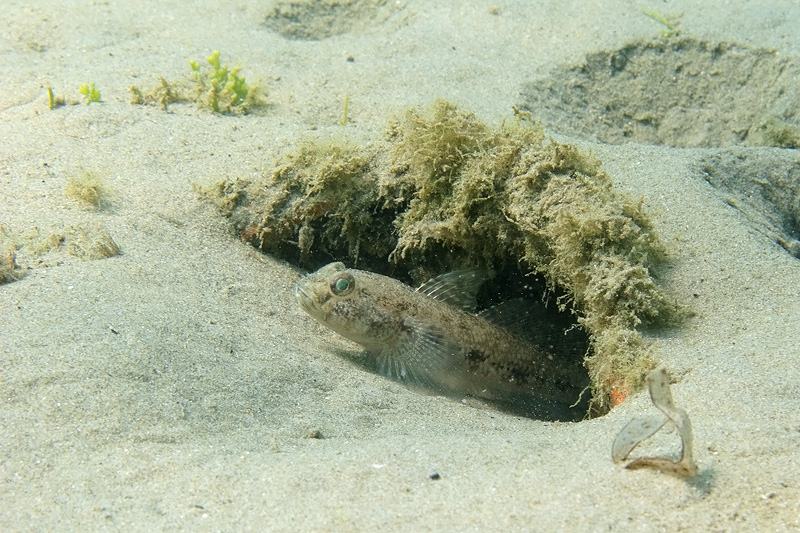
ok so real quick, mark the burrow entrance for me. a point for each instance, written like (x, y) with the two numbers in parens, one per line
(444, 191)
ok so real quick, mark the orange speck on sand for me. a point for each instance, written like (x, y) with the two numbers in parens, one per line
(617, 397)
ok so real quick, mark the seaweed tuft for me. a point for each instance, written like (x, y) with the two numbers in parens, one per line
(87, 188)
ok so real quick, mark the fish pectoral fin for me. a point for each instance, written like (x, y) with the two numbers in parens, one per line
(425, 358)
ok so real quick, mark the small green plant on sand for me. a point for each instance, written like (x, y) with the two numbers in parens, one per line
(219, 89)
(53, 101)
(89, 92)
(670, 24)
(223, 89)
(343, 120)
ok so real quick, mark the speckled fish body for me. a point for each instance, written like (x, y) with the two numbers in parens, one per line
(429, 337)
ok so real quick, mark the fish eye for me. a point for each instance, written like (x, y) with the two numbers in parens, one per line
(343, 284)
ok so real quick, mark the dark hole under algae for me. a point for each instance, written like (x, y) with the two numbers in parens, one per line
(444, 191)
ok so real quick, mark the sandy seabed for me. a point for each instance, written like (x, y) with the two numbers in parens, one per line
(178, 385)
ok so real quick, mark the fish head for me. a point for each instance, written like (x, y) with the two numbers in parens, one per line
(341, 299)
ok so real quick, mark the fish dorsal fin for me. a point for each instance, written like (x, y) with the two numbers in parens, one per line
(457, 288)
(423, 359)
